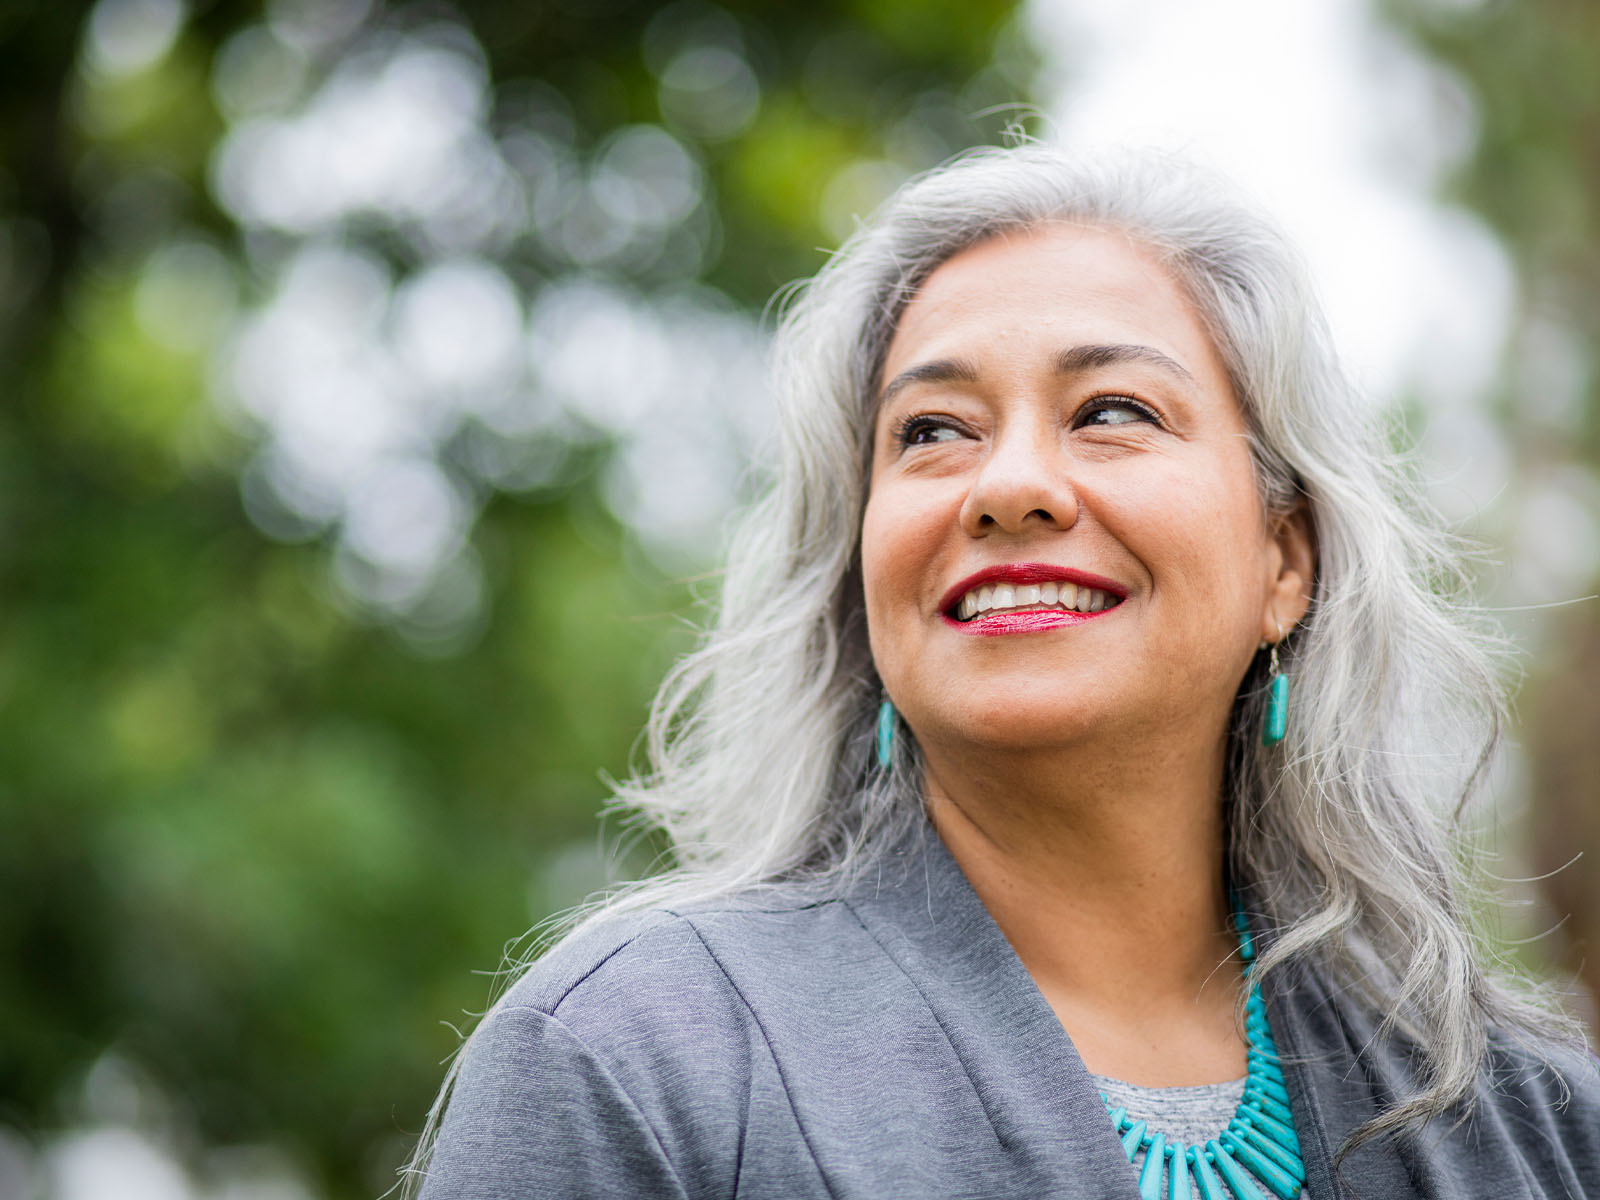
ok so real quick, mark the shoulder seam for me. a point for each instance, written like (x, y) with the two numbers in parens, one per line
(596, 965)
(681, 918)
(616, 1084)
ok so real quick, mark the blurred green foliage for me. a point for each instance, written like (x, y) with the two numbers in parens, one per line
(251, 839)
(1534, 96)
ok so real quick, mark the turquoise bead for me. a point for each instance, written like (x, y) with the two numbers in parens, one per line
(1247, 945)
(1204, 1177)
(1263, 1050)
(1283, 1184)
(1287, 1162)
(1132, 1140)
(1271, 1087)
(1266, 1104)
(1232, 1173)
(1266, 1069)
(1277, 720)
(1178, 1174)
(1283, 1134)
(1280, 1154)
(1150, 1175)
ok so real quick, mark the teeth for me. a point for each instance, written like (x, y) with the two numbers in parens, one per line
(992, 597)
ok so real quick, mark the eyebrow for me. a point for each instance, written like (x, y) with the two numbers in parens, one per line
(940, 370)
(1086, 358)
(1069, 362)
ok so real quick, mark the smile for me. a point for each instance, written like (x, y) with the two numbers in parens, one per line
(1027, 598)
(1034, 597)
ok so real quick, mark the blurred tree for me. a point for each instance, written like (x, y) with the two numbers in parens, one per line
(1535, 175)
(263, 809)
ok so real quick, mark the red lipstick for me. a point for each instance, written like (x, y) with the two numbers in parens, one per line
(1030, 573)
(992, 624)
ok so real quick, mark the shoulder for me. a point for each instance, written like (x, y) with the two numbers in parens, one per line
(1533, 1127)
(642, 1034)
(1550, 1093)
(640, 990)
(682, 963)
(647, 992)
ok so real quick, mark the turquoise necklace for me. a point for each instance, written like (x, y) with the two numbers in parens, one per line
(1258, 1146)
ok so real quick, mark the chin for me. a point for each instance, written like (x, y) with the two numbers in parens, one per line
(1015, 726)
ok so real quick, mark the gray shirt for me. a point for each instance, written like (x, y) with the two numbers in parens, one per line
(889, 1043)
(1191, 1115)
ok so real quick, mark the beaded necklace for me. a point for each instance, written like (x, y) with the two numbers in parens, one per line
(1258, 1146)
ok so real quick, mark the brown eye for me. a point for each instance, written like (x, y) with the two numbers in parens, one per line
(1104, 411)
(925, 431)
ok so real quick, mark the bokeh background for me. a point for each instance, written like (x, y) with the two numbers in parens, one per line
(378, 379)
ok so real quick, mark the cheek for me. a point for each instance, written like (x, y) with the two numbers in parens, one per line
(881, 568)
(898, 531)
(900, 543)
(1205, 541)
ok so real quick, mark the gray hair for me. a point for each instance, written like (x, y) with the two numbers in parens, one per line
(1348, 831)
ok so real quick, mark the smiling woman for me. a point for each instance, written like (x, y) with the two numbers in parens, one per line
(1054, 392)
(1002, 868)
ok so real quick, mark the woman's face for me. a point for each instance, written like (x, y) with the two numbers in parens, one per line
(1056, 428)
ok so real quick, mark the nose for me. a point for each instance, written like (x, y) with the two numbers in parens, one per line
(1025, 481)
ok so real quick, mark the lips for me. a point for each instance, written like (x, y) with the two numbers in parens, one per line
(1015, 575)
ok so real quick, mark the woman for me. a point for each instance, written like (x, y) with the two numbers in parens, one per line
(1006, 865)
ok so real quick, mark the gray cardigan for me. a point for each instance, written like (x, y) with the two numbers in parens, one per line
(890, 1044)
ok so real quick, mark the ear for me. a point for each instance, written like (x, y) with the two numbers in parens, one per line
(1295, 555)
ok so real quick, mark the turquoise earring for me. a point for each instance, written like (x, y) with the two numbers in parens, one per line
(1277, 720)
(886, 720)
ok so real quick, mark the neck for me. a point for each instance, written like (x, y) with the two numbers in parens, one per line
(1105, 873)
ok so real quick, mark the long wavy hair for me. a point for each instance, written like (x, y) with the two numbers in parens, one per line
(1349, 831)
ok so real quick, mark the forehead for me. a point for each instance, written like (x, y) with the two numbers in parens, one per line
(1051, 287)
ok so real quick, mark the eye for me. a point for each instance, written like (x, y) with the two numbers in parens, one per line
(926, 430)
(1106, 411)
